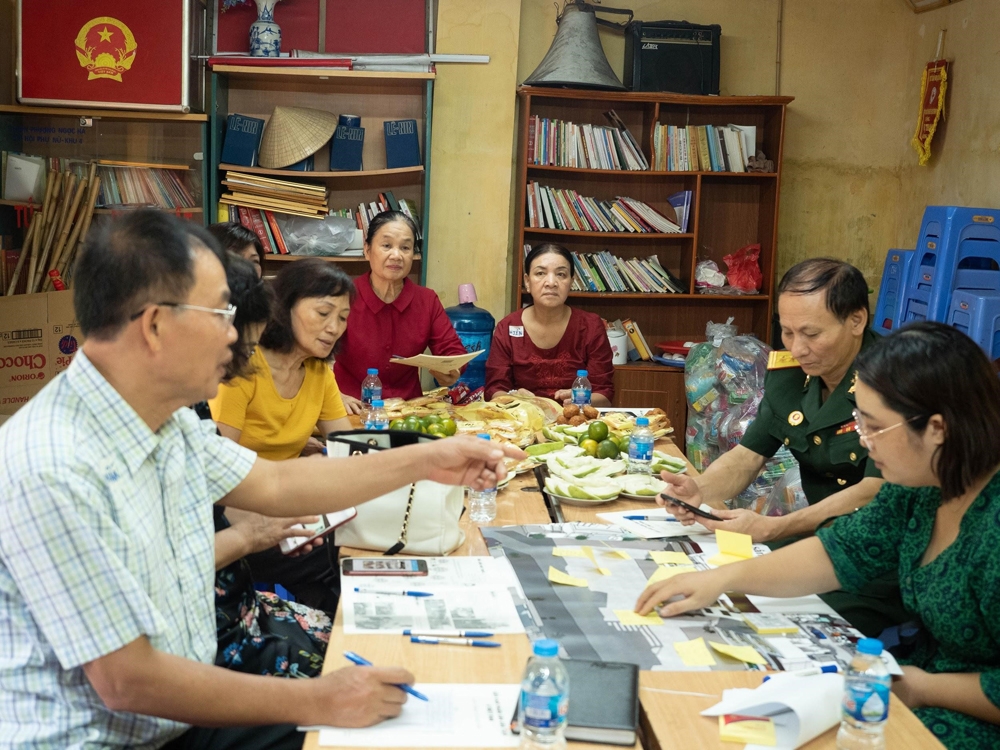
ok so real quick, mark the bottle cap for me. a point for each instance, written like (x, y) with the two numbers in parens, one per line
(581, 373)
(483, 435)
(870, 646)
(466, 294)
(641, 422)
(372, 371)
(546, 647)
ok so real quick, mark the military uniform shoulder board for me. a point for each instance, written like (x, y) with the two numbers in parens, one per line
(781, 360)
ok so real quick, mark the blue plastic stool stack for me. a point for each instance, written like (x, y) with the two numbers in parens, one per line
(890, 294)
(977, 315)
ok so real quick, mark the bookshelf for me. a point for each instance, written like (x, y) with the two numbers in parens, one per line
(728, 211)
(374, 96)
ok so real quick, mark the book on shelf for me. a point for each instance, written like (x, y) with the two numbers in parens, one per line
(386, 201)
(681, 202)
(402, 145)
(703, 148)
(637, 339)
(306, 165)
(555, 208)
(144, 185)
(557, 143)
(346, 149)
(631, 352)
(271, 194)
(242, 140)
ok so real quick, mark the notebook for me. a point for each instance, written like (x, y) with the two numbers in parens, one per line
(603, 702)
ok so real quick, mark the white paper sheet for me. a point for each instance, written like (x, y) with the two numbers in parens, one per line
(802, 707)
(653, 529)
(455, 716)
(23, 178)
(438, 364)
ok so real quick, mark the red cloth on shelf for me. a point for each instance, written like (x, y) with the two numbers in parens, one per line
(376, 331)
(515, 362)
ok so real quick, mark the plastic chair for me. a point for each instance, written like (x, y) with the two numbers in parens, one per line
(895, 273)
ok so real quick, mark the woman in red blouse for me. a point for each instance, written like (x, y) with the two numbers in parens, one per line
(539, 348)
(391, 316)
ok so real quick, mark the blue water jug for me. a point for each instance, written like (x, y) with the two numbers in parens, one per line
(474, 326)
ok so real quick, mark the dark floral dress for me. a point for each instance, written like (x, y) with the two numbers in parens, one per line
(260, 633)
(956, 596)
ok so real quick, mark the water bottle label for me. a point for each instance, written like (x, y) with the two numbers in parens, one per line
(581, 396)
(640, 450)
(370, 394)
(866, 701)
(543, 711)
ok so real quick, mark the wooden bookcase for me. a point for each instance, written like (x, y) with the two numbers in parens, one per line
(729, 211)
(374, 96)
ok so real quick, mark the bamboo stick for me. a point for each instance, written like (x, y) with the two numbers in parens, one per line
(25, 251)
(95, 190)
(67, 225)
(54, 227)
(55, 183)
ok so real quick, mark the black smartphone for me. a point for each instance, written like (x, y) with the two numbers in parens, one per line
(688, 507)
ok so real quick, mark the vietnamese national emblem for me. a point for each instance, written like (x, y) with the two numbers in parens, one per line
(106, 48)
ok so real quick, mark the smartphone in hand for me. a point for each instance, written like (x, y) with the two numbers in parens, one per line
(326, 524)
(690, 508)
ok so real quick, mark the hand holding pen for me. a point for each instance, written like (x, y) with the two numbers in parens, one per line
(404, 686)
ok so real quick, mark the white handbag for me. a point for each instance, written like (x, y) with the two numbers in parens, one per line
(418, 519)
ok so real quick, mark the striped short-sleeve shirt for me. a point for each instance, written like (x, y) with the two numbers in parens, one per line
(106, 535)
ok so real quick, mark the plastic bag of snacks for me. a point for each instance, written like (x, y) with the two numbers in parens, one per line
(763, 495)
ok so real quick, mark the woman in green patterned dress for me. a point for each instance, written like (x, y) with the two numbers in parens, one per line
(929, 413)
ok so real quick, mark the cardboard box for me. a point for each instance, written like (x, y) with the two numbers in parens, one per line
(38, 337)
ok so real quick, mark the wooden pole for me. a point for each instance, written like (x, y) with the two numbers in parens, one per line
(67, 225)
(29, 236)
(52, 188)
(80, 230)
(54, 227)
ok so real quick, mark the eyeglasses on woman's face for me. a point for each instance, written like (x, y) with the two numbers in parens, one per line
(867, 436)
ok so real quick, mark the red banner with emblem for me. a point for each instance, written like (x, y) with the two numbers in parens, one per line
(111, 53)
(933, 85)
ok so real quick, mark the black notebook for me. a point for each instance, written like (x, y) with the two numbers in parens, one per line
(603, 702)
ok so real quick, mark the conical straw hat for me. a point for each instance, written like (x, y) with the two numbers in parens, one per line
(293, 133)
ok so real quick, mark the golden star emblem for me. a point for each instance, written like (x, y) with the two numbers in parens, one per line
(105, 35)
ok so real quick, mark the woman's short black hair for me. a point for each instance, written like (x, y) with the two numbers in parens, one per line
(234, 238)
(309, 277)
(253, 299)
(547, 247)
(846, 288)
(930, 368)
(387, 217)
(142, 257)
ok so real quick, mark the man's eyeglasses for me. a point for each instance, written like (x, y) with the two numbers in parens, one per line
(865, 436)
(227, 313)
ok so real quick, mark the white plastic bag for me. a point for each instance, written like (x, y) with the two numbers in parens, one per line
(330, 235)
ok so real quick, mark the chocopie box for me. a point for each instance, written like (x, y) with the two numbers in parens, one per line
(38, 337)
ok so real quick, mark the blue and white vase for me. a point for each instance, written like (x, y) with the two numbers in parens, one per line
(265, 34)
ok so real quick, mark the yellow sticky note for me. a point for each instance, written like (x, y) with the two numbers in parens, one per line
(694, 653)
(662, 573)
(619, 553)
(732, 543)
(753, 730)
(568, 552)
(557, 576)
(628, 617)
(664, 557)
(720, 559)
(743, 653)
(589, 552)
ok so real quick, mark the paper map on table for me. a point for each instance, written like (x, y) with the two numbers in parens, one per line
(438, 364)
(586, 620)
(470, 593)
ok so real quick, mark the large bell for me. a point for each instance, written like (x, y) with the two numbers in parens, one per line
(576, 57)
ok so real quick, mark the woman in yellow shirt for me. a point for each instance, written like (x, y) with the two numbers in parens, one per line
(291, 390)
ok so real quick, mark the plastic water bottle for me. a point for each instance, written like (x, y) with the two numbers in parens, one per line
(483, 503)
(581, 389)
(865, 707)
(544, 698)
(375, 417)
(474, 327)
(371, 388)
(640, 448)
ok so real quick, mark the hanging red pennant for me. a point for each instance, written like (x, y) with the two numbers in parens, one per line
(933, 85)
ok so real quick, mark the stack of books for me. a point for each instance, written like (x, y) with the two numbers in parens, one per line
(270, 194)
(552, 208)
(703, 148)
(558, 143)
(638, 347)
(365, 212)
(133, 185)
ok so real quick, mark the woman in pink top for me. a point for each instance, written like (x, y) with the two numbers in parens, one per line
(391, 316)
(538, 349)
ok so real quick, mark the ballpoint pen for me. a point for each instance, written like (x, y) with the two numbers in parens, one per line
(449, 633)
(825, 669)
(391, 593)
(454, 641)
(651, 518)
(363, 662)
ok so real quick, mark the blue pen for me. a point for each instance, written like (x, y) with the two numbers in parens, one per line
(650, 518)
(392, 593)
(449, 633)
(363, 662)
(818, 633)
(454, 641)
(825, 669)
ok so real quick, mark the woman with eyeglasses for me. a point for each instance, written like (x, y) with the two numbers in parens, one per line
(928, 411)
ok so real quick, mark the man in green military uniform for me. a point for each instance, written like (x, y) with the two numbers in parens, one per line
(808, 407)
